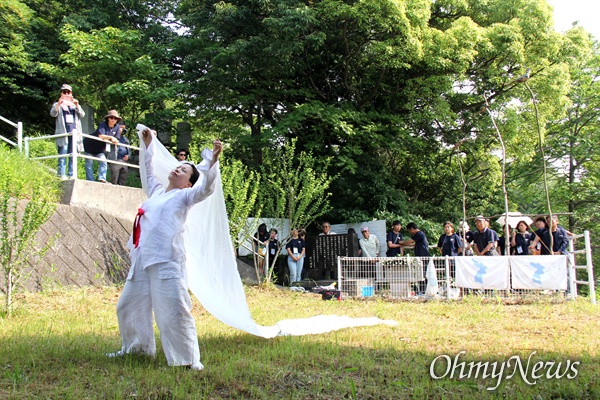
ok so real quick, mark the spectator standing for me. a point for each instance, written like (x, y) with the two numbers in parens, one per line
(369, 244)
(485, 240)
(520, 240)
(107, 130)
(295, 252)
(466, 235)
(182, 155)
(326, 229)
(260, 246)
(502, 242)
(419, 241)
(68, 114)
(536, 239)
(560, 238)
(118, 172)
(449, 243)
(394, 239)
(272, 247)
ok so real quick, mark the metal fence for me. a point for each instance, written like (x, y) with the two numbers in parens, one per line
(19, 126)
(404, 278)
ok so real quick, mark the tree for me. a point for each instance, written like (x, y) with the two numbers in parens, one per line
(240, 189)
(114, 71)
(293, 189)
(382, 88)
(22, 80)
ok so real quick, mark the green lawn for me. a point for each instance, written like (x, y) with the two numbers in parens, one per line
(53, 348)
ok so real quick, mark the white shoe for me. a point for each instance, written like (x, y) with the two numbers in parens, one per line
(119, 353)
(196, 367)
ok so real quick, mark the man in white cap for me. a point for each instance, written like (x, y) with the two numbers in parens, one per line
(369, 244)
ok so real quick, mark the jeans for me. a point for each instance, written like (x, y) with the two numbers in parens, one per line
(295, 268)
(89, 167)
(67, 149)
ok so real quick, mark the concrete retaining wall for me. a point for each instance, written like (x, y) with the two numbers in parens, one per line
(89, 233)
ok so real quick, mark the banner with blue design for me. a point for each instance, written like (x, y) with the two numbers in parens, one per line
(482, 272)
(539, 272)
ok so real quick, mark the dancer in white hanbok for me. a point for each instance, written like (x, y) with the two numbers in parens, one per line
(158, 278)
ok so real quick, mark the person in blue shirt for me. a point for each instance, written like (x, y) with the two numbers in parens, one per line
(108, 130)
(394, 239)
(485, 240)
(449, 243)
(521, 238)
(536, 239)
(118, 173)
(560, 238)
(419, 241)
(295, 249)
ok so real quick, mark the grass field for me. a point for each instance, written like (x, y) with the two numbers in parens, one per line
(53, 348)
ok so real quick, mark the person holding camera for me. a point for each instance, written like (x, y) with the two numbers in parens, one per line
(68, 114)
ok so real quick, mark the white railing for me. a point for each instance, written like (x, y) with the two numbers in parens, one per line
(19, 126)
(589, 266)
(74, 153)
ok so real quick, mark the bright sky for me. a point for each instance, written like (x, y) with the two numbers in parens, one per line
(587, 12)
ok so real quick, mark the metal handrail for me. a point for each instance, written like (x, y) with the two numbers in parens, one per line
(19, 126)
(75, 154)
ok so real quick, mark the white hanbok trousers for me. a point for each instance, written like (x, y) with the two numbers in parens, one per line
(172, 308)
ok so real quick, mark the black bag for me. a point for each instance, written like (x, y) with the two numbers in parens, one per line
(93, 146)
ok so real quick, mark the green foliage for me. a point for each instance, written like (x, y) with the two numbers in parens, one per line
(112, 70)
(382, 89)
(28, 196)
(240, 189)
(294, 189)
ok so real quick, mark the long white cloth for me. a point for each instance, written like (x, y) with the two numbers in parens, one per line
(482, 272)
(212, 268)
(539, 272)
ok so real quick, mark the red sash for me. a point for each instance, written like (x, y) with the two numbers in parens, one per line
(137, 228)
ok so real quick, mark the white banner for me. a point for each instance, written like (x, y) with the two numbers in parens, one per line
(485, 272)
(539, 272)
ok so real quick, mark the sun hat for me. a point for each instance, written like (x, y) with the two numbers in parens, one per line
(113, 113)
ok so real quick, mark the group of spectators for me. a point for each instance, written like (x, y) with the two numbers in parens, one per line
(68, 113)
(295, 248)
(112, 131)
(549, 238)
(484, 241)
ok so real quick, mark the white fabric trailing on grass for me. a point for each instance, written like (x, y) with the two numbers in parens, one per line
(212, 268)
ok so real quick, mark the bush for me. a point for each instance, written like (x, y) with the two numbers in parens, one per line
(28, 196)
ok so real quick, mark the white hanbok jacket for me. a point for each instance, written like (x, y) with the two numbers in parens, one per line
(162, 223)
